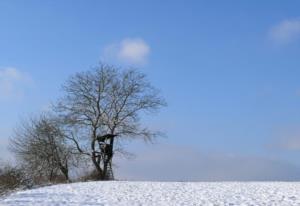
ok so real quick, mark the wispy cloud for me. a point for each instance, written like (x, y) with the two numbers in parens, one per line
(12, 82)
(133, 51)
(286, 31)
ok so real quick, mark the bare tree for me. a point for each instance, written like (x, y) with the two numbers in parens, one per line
(102, 106)
(40, 146)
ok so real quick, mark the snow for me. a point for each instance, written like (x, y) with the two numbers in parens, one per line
(159, 193)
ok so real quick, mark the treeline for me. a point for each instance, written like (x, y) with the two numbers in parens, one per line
(99, 110)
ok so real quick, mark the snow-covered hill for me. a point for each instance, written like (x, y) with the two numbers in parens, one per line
(159, 193)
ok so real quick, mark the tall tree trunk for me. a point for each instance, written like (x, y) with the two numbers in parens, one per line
(108, 160)
(95, 162)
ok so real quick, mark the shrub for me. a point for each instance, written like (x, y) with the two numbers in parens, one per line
(12, 178)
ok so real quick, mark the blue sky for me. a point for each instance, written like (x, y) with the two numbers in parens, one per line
(229, 71)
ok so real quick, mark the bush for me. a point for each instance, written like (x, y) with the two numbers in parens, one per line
(12, 178)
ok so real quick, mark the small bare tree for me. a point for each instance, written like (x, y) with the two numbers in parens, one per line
(40, 146)
(102, 106)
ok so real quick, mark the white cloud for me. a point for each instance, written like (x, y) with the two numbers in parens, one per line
(129, 51)
(286, 31)
(12, 82)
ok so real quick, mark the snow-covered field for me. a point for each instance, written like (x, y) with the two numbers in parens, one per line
(159, 193)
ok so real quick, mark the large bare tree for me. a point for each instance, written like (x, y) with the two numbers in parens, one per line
(104, 105)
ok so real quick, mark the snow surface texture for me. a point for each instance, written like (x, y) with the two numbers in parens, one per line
(159, 193)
